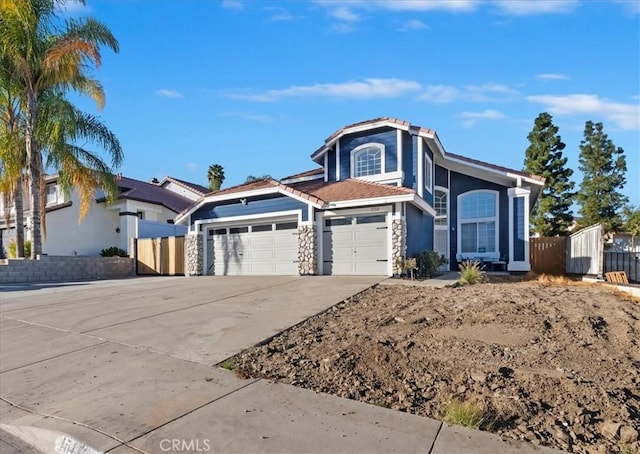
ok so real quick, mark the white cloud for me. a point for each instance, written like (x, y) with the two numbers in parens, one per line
(552, 76)
(428, 5)
(365, 89)
(625, 116)
(413, 24)
(528, 7)
(440, 94)
(470, 118)
(280, 14)
(489, 92)
(191, 166)
(631, 6)
(73, 7)
(234, 5)
(168, 93)
(345, 14)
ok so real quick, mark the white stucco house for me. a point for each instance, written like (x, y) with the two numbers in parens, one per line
(105, 225)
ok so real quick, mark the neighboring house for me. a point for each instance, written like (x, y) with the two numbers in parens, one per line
(386, 190)
(105, 225)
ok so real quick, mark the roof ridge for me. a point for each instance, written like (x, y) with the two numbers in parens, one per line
(375, 183)
(267, 180)
(185, 183)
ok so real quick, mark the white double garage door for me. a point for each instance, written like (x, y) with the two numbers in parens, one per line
(350, 245)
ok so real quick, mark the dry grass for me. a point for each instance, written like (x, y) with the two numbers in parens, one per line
(468, 414)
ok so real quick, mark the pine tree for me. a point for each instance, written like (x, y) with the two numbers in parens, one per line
(552, 214)
(604, 166)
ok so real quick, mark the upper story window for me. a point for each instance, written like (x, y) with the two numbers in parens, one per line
(53, 194)
(440, 203)
(367, 160)
(428, 173)
(478, 222)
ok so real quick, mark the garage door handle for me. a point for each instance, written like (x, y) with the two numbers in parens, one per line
(381, 228)
(382, 260)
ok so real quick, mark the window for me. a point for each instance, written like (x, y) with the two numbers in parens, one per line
(52, 194)
(236, 230)
(287, 226)
(371, 219)
(262, 228)
(477, 222)
(338, 221)
(440, 204)
(428, 173)
(367, 160)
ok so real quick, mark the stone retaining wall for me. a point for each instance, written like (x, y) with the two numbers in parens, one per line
(398, 244)
(57, 268)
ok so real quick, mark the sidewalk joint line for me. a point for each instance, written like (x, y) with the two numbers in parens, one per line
(435, 438)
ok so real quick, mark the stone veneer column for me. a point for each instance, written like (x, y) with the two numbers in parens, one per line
(307, 250)
(398, 243)
(194, 254)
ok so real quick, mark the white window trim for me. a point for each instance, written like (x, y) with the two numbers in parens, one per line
(383, 158)
(428, 173)
(448, 217)
(496, 219)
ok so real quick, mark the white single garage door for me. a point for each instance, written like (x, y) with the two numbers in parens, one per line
(258, 249)
(355, 245)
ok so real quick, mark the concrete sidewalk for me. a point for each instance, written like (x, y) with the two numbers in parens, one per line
(126, 367)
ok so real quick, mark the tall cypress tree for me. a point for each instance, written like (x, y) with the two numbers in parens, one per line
(552, 214)
(604, 166)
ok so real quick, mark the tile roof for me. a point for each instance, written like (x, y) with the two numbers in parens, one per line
(308, 173)
(193, 186)
(496, 167)
(151, 193)
(336, 191)
(257, 184)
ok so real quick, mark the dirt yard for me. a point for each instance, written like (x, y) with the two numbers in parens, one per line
(555, 364)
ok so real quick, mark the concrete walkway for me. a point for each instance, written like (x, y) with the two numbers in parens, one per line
(126, 367)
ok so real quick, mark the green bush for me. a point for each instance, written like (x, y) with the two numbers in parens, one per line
(13, 249)
(428, 263)
(470, 272)
(467, 414)
(114, 251)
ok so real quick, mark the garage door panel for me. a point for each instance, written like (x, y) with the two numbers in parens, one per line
(271, 249)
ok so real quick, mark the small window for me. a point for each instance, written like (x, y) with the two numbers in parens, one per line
(372, 219)
(287, 226)
(219, 231)
(262, 228)
(428, 173)
(238, 230)
(338, 221)
(52, 195)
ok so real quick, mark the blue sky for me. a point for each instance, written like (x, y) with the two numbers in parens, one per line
(257, 86)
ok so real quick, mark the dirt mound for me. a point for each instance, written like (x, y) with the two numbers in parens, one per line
(556, 365)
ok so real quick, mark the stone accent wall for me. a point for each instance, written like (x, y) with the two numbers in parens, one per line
(57, 268)
(195, 254)
(398, 243)
(307, 250)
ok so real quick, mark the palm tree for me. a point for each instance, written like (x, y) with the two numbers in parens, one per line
(46, 58)
(215, 175)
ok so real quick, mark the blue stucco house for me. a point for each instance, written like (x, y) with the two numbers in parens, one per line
(385, 190)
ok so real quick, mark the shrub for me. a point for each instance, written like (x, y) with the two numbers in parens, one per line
(114, 251)
(470, 273)
(13, 249)
(467, 414)
(428, 263)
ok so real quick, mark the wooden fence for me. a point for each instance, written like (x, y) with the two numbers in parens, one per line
(585, 250)
(548, 255)
(160, 256)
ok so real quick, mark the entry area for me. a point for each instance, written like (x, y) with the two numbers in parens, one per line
(264, 248)
(355, 245)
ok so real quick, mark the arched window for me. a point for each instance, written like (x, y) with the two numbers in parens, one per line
(367, 160)
(478, 223)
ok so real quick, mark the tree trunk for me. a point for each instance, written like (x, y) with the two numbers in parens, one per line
(18, 203)
(34, 172)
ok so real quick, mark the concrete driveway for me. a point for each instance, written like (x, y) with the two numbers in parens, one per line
(127, 367)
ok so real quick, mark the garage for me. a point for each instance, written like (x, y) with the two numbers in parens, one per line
(265, 248)
(355, 245)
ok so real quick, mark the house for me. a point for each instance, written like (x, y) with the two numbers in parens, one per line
(385, 190)
(139, 204)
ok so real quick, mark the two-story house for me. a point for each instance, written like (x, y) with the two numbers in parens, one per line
(105, 225)
(386, 189)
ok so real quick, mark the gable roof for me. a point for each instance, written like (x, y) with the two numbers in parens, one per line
(426, 133)
(318, 193)
(308, 173)
(202, 190)
(131, 189)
